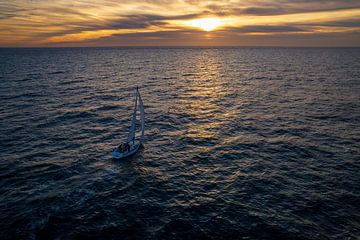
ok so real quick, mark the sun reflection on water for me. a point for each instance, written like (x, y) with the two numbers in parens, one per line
(202, 98)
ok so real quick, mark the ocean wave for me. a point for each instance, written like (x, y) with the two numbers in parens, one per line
(234, 147)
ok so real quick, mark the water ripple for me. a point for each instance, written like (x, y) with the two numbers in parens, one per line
(240, 143)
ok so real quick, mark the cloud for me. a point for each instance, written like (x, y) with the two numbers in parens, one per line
(127, 22)
(198, 38)
(9, 10)
(40, 22)
(280, 7)
(351, 23)
(174, 34)
(268, 29)
(144, 21)
(263, 11)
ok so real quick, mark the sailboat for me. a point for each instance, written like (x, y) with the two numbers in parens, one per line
(133, 142)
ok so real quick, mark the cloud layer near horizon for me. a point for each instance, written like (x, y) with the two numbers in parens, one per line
(26, 23)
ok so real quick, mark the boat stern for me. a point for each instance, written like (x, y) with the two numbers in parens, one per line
(116, 154)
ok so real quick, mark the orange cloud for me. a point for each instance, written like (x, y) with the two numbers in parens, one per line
(40, 23)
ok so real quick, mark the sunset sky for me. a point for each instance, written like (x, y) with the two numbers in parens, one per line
(58, 23)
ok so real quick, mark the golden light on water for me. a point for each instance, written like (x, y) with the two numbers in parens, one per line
(204, 91)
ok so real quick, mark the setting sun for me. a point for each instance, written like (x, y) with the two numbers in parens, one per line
(207, 24)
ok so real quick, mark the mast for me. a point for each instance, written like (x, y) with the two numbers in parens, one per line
(142, 115)
(132, 130)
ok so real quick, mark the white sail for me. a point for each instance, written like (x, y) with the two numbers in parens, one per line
(142, 116)
(132, 130)
(132, 144)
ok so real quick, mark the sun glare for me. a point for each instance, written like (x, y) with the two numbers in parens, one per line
(207, 24)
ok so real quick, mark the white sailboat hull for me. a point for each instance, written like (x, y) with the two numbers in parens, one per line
(134, 147)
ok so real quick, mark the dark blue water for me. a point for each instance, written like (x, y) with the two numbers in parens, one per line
(241, 143)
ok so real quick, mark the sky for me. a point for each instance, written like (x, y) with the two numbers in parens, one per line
(62, 23)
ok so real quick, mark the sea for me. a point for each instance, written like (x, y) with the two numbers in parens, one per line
(240, 143)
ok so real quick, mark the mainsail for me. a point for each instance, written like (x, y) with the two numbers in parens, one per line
(132, 130)
(142, 115)
(131, 135)
(133, 142)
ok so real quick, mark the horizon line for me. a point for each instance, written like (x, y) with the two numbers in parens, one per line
(180, 46)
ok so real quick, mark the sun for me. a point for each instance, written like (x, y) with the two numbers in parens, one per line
(207, 24)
